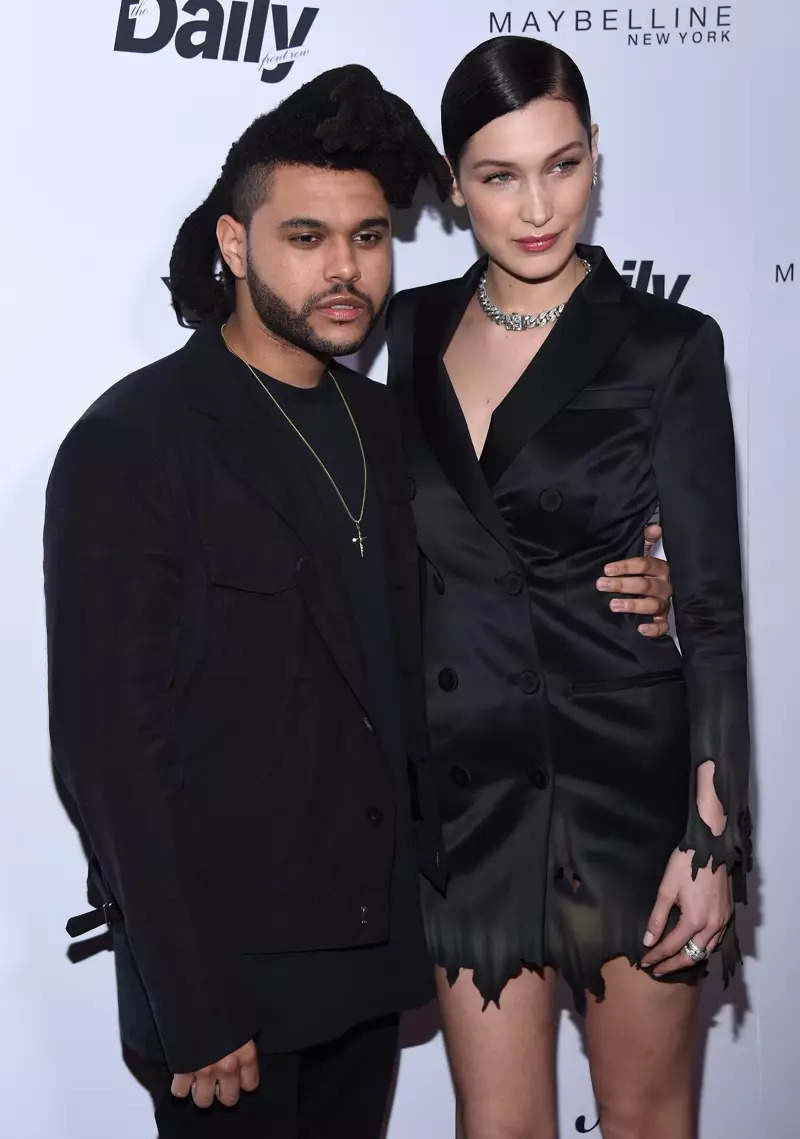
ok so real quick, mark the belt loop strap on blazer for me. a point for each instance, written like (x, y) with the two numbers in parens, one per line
(108, 914)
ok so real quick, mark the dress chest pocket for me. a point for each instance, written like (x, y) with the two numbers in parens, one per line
(628, 683)
(611, 399)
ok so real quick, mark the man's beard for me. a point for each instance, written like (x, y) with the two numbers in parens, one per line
(279, 318)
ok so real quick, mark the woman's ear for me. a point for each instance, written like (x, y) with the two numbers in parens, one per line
(455, 193)
(594, 136)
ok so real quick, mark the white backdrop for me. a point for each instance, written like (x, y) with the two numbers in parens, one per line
(106, 152)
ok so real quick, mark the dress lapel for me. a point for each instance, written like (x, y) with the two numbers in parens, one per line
(253, 445)
(593, 325)
(437, 405)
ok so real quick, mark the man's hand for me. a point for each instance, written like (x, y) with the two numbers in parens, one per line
(226, 1079)
(646, 577)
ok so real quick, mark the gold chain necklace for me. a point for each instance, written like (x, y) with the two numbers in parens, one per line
(359, 538)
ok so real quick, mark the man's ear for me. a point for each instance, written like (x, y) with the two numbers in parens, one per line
(232, 239)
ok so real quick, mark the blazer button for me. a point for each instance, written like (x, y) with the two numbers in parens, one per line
(448, 680)
(529, 682)
(540, 779)
(375, 815)
(551, 500)
(460, 776)
(364, 915)
(512, 583)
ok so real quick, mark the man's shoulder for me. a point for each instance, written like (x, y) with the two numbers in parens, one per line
(360, 384)
(141, 395)
(352, 375)
(372, 399)
(128, 417)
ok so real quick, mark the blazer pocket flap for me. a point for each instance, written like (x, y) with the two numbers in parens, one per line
(398, 490)
(251, 568)
(598, 398)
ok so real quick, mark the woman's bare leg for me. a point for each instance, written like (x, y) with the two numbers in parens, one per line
(503, 1060)
(641, 1040)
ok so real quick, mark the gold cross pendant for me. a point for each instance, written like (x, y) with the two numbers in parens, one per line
(360, 540)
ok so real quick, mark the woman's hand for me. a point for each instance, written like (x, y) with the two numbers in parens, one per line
(646, 577)
(706, 906)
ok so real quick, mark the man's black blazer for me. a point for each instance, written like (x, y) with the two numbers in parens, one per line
(209, 710)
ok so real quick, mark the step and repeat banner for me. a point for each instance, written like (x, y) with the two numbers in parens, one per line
(117, 118)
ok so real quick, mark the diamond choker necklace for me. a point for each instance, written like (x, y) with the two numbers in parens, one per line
(518, 321)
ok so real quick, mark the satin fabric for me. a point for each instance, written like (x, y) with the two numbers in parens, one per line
(565, 744)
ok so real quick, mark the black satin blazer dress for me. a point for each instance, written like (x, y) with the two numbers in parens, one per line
(565, 744)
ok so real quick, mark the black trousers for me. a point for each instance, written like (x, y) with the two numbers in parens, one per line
(338, 1090)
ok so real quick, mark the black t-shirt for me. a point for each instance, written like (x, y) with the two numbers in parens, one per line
(306, 998)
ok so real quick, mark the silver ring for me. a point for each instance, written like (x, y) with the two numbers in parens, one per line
(695, 952)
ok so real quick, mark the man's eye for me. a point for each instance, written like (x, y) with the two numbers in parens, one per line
(305, 239)
(369, 238)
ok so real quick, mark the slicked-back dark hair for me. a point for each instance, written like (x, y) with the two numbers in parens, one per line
(342, 120)
(502, 75)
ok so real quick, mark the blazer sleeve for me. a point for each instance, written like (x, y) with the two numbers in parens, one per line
(113, 590)
(695, 465)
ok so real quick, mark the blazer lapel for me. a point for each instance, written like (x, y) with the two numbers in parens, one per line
(383, 474)
(438, 409)
(388, 479)
(590, 330)
(254, 447)
(390, 489)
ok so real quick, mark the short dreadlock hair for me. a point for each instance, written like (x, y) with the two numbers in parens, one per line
(342, 120)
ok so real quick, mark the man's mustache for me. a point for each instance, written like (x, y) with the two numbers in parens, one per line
(340, 291)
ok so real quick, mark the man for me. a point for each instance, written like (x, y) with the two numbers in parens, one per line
(235, 676)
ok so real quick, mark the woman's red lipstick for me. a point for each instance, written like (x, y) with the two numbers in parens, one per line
(537, 244)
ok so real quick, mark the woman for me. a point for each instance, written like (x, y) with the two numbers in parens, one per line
(593, 781)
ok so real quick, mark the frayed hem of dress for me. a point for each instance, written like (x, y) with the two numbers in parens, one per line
(594, 984)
